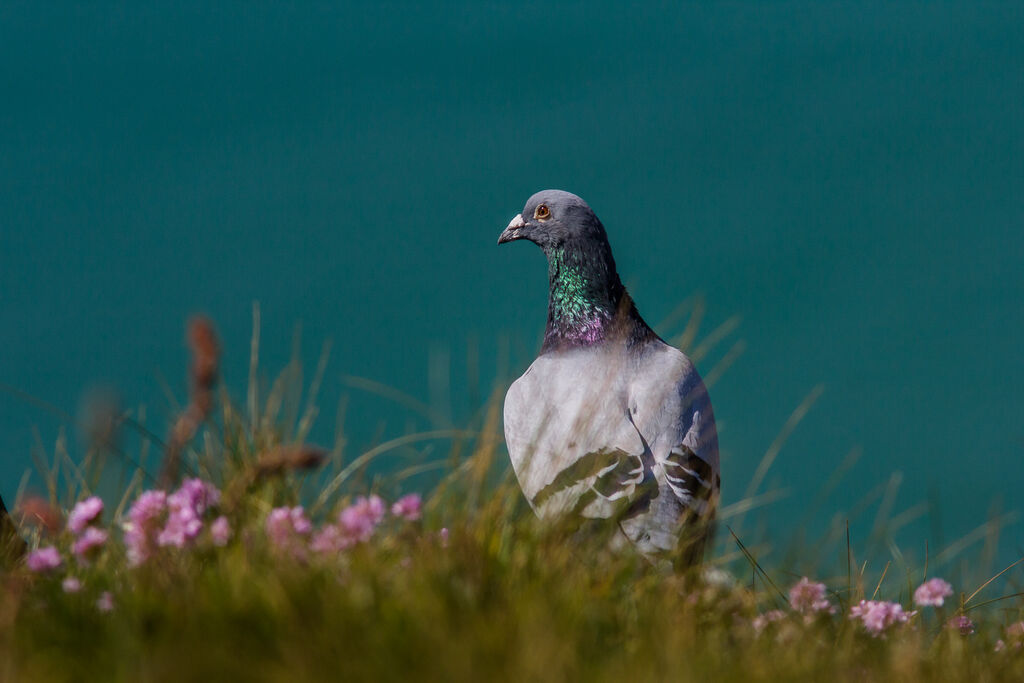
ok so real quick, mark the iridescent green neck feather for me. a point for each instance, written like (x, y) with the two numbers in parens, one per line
(586, 299)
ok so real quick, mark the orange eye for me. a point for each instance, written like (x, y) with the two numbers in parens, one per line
(542, 212)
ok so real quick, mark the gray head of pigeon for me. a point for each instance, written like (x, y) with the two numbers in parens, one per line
(586, 295)
(554, 219)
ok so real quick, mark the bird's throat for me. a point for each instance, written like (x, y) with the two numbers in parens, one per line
(584, 298)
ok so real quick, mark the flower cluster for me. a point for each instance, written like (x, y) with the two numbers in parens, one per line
(878, 616)
(808, 598)
(1013, 637)
(961, 623)
(43, 559)
(220, 531)
(89, 543)
(155, 520)
(408, 507)
(84, 514)
(160, 520)
(144, 521)
(762, 621)
(932, 592)
(185, 510)
(359, 520)
(82, 523)
(288, 528)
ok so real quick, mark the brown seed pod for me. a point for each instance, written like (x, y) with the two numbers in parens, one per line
(295, 457)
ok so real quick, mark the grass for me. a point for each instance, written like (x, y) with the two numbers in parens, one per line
(477, 589)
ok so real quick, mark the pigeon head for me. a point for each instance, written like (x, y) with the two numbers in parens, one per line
(554, 219)
(586, 299)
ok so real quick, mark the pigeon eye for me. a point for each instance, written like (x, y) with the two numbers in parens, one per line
(542, 212)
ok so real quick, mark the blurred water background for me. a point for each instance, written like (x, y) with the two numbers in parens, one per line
(847, 178)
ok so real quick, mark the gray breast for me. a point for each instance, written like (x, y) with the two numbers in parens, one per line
(610, 433)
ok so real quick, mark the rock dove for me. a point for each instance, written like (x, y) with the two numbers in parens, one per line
(609, 421)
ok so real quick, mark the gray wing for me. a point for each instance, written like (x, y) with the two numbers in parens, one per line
(611, 484)
(673, 413)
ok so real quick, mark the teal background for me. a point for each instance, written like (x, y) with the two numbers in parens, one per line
(846, 177)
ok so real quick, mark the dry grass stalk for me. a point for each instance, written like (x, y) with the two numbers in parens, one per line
(202, 340)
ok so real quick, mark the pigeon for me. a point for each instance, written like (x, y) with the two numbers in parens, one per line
(609, 422)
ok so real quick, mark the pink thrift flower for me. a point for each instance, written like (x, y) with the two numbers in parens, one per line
(961, 623)
(196, 494)
(300, 523)
(808, 598)
(89, 543)
(408, 507)
(220, 531)
(878, 616)
(769, 617)
(43, 559)
(105, 603)
(71, 585)
(443, 535)
(932, 592)
(330, 539)
(1014, 635)
(182, 526)
(84, 513)
(359, 520)
(144, 520)
(287, 527)
(186, 508)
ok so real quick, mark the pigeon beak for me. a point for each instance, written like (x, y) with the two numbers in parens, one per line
(512, 232)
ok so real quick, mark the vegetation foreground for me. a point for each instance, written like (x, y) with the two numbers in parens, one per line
(254, 556)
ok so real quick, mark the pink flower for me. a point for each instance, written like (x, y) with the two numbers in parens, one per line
(182, 526)
(408, 507)
(43, 559)
(286, 528)
(443, 536)
(1014, 635)
(71, 585)
(359, 520)
(330, 539)
(961, 623)
(769, 617)
(932, 592)
(220, 531)
(808, 598)
(89, 543)
(144, 520)
(186, 508)
(195, 494)
(878, 616)
(84, 514)
(105, 603)
(300, 523)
